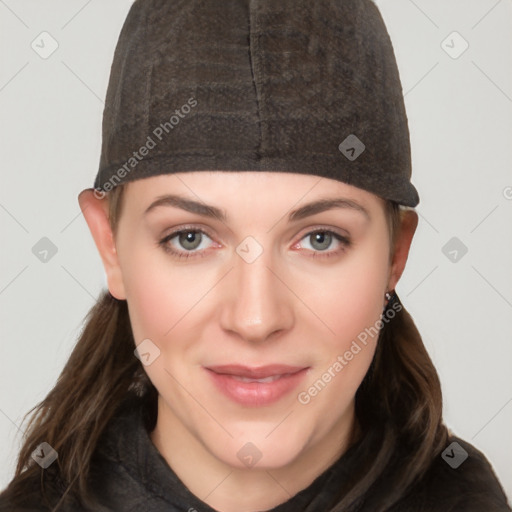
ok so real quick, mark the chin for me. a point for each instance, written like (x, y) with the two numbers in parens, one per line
(257, 450)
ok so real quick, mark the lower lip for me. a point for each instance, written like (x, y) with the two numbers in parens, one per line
(256, 394)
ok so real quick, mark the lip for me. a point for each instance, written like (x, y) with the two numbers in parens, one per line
(243, 384)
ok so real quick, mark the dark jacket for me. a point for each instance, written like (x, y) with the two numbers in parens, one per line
(129, 475)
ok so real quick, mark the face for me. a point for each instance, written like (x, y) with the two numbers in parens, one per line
(261, 317)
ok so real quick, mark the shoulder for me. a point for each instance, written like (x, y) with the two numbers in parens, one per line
(40, 495)
(460, 479)
(44, 489)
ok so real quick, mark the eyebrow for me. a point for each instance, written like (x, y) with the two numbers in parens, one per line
(206, 210)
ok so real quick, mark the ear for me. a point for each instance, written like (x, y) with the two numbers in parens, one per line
(95, 211)
(402, 246)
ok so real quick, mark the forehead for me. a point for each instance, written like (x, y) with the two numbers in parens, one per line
(232, 189)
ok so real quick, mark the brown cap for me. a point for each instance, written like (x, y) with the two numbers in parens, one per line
(298, 86)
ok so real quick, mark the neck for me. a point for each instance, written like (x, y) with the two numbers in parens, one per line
(229, 489)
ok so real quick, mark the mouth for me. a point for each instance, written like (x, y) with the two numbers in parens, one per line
(256, 386)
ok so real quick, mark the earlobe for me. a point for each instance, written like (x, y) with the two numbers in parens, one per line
(402, 246)
(95, 212)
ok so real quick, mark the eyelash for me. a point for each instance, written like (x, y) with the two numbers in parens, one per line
(345, 243)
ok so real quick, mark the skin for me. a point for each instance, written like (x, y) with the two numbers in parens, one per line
(285, 307)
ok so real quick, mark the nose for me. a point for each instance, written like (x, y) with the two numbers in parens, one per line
(258, 304)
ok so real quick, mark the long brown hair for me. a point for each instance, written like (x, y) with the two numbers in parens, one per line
(398, 405)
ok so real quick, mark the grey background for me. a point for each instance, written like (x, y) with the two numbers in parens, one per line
(461, 132)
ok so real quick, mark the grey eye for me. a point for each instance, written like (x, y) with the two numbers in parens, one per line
(190, 240)
(321, 240)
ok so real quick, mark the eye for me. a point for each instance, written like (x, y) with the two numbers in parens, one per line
(188, 243)
(321, 239)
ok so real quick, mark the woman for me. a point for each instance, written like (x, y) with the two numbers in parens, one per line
(253, 212)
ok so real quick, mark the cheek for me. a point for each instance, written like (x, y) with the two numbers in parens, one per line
(351, 306)
(165, 300)
(155, 294)
(353, 296)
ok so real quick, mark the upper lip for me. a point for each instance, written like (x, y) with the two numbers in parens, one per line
(255, 372)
